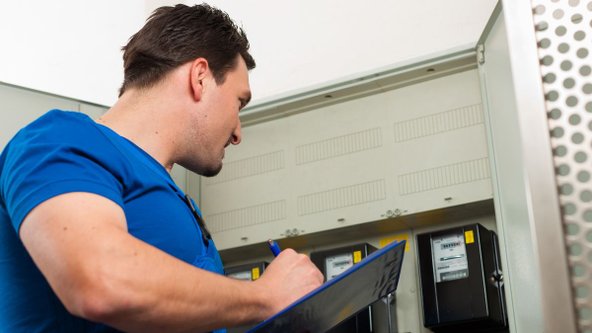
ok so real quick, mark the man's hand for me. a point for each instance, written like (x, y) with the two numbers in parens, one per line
(289, 277)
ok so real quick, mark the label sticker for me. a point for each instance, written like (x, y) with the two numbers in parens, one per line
(399, 237)
(469, 238)
(255, 273)
(357, 256)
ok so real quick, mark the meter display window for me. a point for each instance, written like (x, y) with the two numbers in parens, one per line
(450, 257)
(246, 275)
(338, 264)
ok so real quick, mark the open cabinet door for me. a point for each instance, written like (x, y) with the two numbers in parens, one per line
(534, 216)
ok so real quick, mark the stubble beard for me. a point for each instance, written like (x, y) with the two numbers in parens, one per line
(208, 167)
(204, 167)
(213, 171)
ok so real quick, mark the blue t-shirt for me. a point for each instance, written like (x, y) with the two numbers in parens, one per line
(65, 152)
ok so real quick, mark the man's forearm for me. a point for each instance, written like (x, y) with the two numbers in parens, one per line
(173, 296)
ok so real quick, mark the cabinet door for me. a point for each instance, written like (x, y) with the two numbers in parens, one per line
(533, 61)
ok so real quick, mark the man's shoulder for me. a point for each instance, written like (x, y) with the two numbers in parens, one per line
(60, 120)
(54, 136)
(58, 127)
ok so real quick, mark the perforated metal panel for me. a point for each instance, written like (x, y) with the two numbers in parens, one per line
(564, 36)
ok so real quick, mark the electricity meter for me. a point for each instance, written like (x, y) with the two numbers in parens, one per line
(461, 280)
(336, 261)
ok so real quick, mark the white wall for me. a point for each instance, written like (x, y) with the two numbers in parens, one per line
(72, 47)
(68, 47)
(298, 44)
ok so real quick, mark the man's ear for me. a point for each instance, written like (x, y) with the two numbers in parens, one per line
(198, 73)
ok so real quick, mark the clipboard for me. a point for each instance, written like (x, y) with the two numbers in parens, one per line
(366, 282)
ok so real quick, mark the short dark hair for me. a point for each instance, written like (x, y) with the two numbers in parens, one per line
(173, 36)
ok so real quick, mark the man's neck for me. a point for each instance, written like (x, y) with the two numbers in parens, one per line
(148, 120)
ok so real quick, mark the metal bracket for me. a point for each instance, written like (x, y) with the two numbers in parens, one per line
(393, 213)
(480, 54)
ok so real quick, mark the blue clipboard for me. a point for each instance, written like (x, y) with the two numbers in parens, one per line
(368, 281)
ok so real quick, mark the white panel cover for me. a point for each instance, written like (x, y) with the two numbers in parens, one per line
(416, 148)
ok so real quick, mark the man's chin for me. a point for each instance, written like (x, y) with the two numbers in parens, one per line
(211, 172)
(203, 170)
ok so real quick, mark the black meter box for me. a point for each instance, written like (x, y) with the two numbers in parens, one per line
(247, 272)
(461, 280)
(336, 261)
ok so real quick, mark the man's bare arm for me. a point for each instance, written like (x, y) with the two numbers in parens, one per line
(80, 243)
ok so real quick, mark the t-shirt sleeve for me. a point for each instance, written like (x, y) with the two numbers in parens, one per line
(39, 165)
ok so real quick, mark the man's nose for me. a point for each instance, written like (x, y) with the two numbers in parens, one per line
(236, 135)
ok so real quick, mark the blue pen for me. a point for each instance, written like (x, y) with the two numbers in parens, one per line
(274, 247)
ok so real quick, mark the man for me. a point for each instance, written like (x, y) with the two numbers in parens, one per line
(94, 234)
